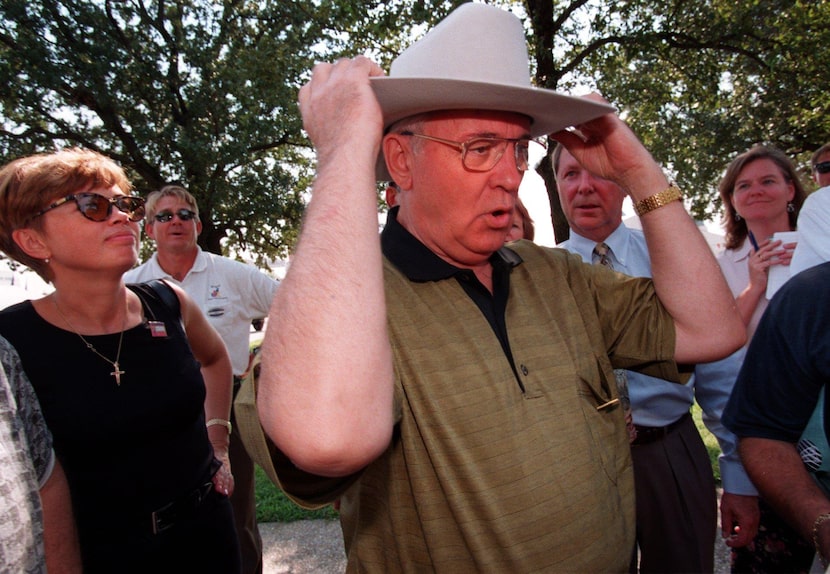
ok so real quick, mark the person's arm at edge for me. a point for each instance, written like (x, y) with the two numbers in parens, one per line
(739, 502)
(707, 322)
(210, 351)
(776, 468)
(814, 229)
(60, 537)
(326, 387)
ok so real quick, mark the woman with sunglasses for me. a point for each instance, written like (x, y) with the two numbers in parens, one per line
(140, 422)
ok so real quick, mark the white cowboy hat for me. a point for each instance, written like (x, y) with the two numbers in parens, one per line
(476, 58)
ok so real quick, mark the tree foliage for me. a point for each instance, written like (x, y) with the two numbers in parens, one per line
(197, 92)
(698, 80)
(203, 92)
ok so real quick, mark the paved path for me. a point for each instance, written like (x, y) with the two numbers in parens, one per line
(316, 547)
(302, 547)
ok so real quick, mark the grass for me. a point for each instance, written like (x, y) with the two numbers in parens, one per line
(709, 440)
(273, 506)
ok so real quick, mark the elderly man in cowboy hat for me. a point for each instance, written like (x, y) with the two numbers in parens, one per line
(457, 396)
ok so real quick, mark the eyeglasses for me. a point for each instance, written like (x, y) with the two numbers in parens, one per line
(823, 167)
(183, 215)
(96, 207)
(483, 153)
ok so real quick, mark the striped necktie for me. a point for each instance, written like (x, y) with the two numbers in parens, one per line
(600, 255)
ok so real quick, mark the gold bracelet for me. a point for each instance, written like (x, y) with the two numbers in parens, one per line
(652, 202)
(816, 525)
(223, 422)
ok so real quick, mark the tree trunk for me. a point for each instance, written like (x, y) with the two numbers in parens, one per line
(540, 13)
(561, 229)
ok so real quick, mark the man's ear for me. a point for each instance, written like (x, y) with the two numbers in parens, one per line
(31, 242)
(398, 159)
(148, 229)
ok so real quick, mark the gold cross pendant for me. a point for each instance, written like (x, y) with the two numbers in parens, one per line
(117, 373)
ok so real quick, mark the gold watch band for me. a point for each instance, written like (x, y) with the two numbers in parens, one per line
(652, 202)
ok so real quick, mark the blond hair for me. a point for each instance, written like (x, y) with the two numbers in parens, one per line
(176, 191)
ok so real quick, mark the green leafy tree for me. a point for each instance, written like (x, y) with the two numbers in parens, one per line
(698, 80)
(196, 92)
(203, 92)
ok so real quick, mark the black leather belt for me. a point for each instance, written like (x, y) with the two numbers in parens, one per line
(166, 516)
(647, 435)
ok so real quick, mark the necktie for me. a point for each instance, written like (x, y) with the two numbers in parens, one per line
(600, 256)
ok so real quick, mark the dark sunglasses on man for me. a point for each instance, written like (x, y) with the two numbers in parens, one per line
(97, 207)
(823, 167)
(167, 215)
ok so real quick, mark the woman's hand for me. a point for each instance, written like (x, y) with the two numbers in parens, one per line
(769, 253)
(223, 479)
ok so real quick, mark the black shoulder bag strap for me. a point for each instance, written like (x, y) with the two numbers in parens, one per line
(166, 295)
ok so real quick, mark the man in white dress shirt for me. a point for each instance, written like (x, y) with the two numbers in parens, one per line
(814, 218)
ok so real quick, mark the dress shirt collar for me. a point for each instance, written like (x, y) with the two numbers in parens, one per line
(742, 253)
(619, 243)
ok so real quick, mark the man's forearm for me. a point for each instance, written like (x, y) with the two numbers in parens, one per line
(783, 481)
(326, 382)
(686, 276)
(691, 286)
(326, 387)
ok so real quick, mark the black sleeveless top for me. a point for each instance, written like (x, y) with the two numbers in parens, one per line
(130, 449)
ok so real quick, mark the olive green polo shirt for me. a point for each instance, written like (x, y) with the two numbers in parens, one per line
(484, 473)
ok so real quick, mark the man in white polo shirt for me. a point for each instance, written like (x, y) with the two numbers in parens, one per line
(231, 294)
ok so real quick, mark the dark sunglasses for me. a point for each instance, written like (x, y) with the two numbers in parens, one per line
(823, 167)
(96, 207)
(183, 214)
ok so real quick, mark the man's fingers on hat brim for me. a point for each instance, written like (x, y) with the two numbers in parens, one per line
(569, 138)
(596, 97)
(374, 69)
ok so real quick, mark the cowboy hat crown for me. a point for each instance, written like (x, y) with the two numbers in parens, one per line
(476, 42)
(476, 58)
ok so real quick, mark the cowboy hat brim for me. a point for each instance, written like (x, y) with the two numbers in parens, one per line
(549, 111)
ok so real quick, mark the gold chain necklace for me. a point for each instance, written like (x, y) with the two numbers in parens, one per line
(117, 372)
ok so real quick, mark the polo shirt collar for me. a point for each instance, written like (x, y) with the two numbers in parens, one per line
(420, 264)
(199, 264)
